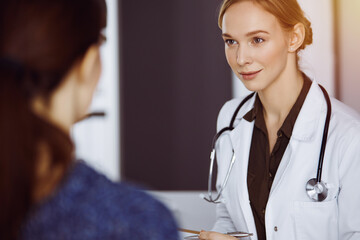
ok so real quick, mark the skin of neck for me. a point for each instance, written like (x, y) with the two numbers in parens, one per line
(66, 105)
(279, 97)
(60, 108)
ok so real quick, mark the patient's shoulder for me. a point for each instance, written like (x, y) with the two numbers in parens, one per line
(89, 206)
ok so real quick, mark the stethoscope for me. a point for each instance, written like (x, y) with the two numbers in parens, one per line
(315, 188)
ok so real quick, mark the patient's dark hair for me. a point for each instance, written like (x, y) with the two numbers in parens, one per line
(40, 40)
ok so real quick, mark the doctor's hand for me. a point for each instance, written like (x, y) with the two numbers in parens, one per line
(208, 235)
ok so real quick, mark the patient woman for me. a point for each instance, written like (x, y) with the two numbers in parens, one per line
(49, 68)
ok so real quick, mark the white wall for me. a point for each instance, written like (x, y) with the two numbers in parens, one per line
(189, 209)
(317, 60)
(349, 38)
(97, 139)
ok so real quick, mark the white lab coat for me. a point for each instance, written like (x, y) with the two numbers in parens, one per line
(290, 213)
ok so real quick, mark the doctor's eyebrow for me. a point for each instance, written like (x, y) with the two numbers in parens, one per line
(226, 35)
(256, 32)
(247, 34)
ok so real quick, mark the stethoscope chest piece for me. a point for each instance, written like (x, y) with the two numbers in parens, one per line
(316, 190)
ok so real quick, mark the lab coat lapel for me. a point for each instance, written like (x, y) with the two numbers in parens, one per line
(241, 142)
(304, 130)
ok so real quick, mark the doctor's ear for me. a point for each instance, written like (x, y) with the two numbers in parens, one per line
(297, 36)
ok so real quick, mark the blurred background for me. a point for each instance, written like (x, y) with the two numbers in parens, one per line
(164, 80)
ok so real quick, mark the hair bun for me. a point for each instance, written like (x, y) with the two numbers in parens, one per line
(308, 34)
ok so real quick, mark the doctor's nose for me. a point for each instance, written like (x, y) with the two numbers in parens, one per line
(243, 56)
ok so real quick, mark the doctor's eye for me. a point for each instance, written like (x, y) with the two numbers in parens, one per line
(230, 42)
(257, 41)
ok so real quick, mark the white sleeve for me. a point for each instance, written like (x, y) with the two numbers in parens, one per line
(349, 195)
(223, 220)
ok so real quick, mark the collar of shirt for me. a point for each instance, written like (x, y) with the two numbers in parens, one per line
(256, 113)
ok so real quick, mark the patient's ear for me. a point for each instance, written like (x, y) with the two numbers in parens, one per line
(90, 65)
(87, 77)
(297, 36)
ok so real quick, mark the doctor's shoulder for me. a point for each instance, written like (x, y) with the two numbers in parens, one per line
(228, 110)
(345, 120)
(345, 127)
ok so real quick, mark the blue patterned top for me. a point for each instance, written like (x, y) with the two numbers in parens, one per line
(89, 206)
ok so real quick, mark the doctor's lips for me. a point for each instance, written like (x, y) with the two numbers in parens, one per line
(249, 75)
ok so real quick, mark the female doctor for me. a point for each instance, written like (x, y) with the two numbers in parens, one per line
(278, 134)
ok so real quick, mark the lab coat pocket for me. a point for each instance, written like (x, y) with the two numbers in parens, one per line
(316, 220)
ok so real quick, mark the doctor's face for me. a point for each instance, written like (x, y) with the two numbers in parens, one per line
(256, 47)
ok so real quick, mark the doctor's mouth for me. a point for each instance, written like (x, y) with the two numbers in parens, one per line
(249, 75)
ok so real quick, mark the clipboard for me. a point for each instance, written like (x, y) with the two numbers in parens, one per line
(237, 235)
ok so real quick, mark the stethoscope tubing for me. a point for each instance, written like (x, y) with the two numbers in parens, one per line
(231, 125)
(318, 196)
(325, 135)
(212, 155)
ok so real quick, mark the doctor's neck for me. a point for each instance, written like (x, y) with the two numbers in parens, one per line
(278, 98)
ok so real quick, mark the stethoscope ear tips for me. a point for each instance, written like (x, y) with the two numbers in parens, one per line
(317, 191)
